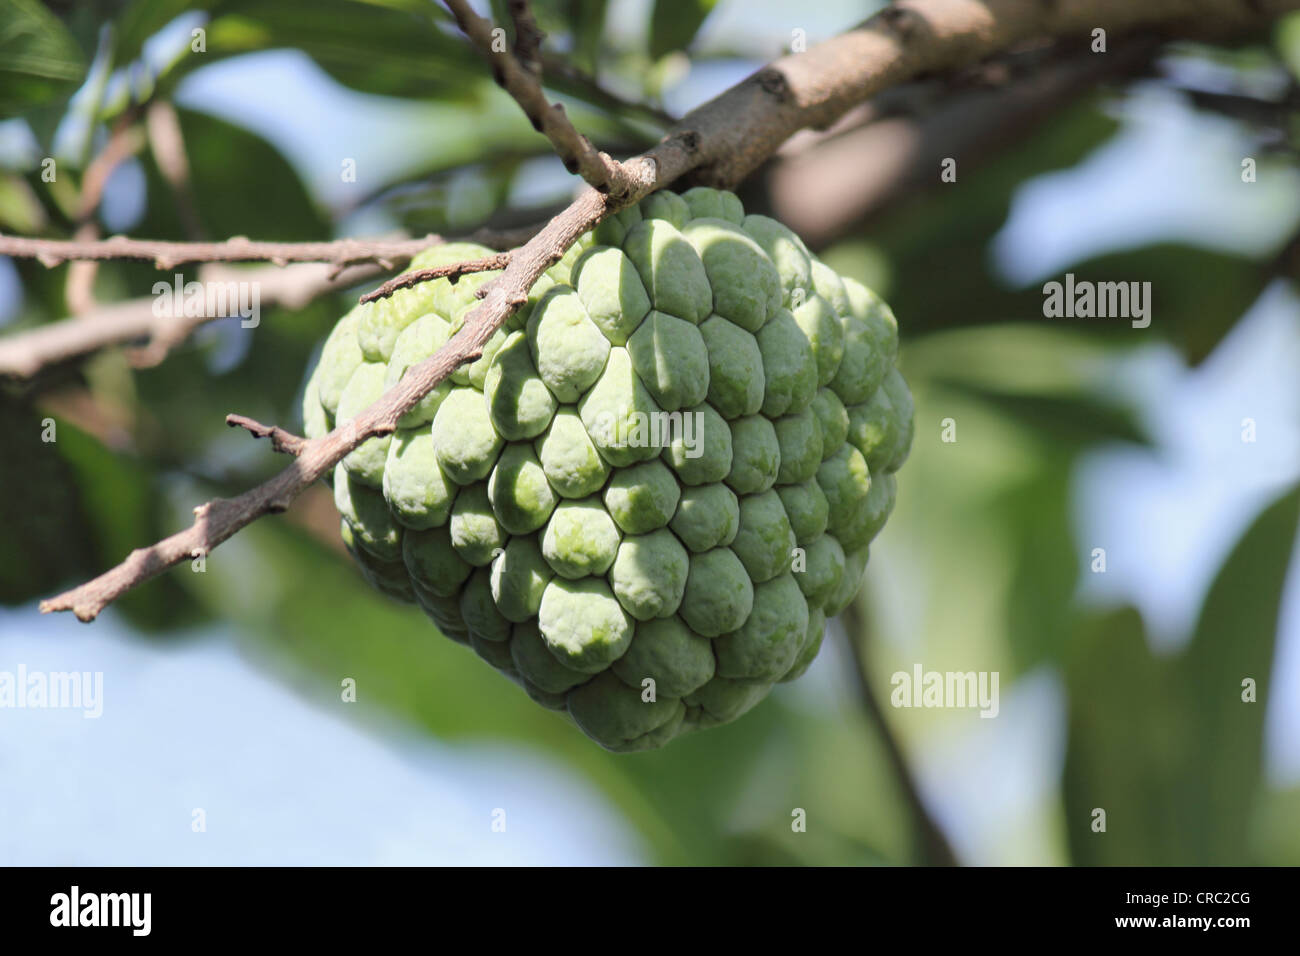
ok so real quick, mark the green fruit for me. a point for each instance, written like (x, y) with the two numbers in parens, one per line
(581, 539)
(649, 574)
(645, 499)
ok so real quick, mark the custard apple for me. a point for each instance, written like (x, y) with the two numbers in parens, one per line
(644, 500)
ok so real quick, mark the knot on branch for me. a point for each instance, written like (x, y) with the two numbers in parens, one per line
(774, 83)
(281, 440)
(528, 37)
(903, 21)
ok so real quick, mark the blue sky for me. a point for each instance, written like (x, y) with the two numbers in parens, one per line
(280, 779)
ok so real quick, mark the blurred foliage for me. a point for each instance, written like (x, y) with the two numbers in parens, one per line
(674, 23)
(1170, 748)
(222, 152)
(419, 58)
(70, 507)
(39, 59)
(977, 570)
(949, 233)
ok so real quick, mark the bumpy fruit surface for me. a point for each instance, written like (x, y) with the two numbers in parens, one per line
(645, 499)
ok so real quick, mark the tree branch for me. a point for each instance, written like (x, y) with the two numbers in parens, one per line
(528, 36)
(452, 271)
(220, 518)
(590, 88)
(827, 184)
(579, 155)
(25, 354)
(281, 440)
(721, 142)
(124, 142)
(746, 124)
(167, 255)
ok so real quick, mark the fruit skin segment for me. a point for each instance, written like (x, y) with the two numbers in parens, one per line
(646, 498)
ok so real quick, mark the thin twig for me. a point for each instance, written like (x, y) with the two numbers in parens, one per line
(79, 286)
(167, 255)
(452, 271)
(281, 440)
(528, 36)
(594, 92)
(124, 142)
(576, 151)
(26, 353)
(220, 518)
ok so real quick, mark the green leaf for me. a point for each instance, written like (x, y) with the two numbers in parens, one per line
(1167, 747)
(1044, 563)
(40, 510)
(71, 509)
(1078, 419)
(39, 59)
(1197, 294)
(142, 19)
(386, 47)
(20, 209)
(587, 18)
(1127, 747)
(188, 404)
(1276, 834)
(1288, 41)
(241, 184)
(391, 49)
(674, 23)
(1234, 641)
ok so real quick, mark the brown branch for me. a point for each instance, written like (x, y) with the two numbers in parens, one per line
(721, 141)
(827, 184)
(79, 286)
(746, 124)
(528, 36)
(281, 440)
(578, 154)
(589, 88)
(167, 255)
(220, 518)
(125, 141)
(25, 354)
(452, 271)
